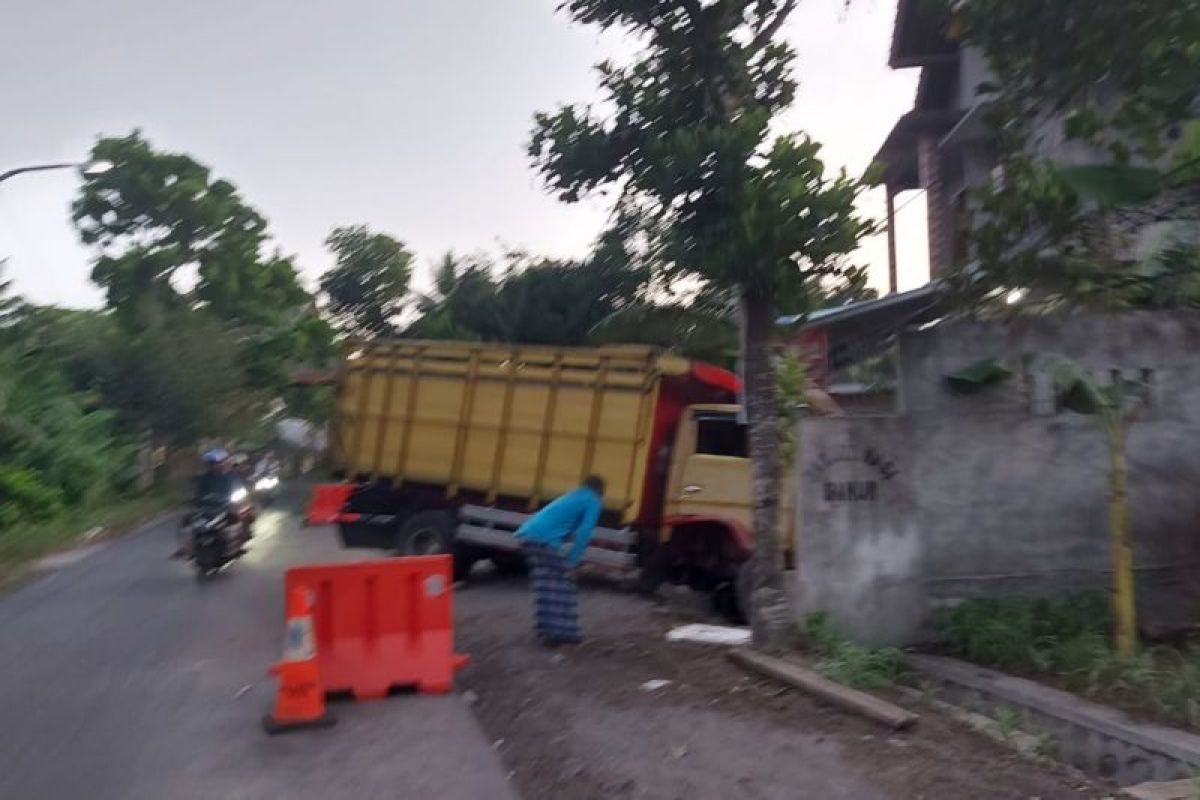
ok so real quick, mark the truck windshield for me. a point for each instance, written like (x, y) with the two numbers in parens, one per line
(720, 435)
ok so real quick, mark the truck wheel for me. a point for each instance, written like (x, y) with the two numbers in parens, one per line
(426, 533)
(744, 590)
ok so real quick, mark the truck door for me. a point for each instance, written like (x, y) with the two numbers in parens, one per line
(711, 474)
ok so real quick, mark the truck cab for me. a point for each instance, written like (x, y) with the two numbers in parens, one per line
(707, 520)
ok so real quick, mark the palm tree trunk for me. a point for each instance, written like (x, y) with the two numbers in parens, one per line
(1124, 604)
(770, 614)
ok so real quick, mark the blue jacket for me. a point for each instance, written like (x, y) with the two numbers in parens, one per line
(574, 514)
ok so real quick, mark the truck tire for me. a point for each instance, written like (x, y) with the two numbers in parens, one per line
(652, 562)
(426, 533)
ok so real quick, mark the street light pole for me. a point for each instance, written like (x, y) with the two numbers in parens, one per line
(89, 168)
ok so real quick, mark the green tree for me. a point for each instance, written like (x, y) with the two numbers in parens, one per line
(462, 304)
(181, 377)
(180, 253)
(695, 329)
(57, 446)
(1119, 80)
(161, 221)
(688, 141)
(10, 303)
(560, 302)
(366, 288)
(1113, 73)
(523, 299)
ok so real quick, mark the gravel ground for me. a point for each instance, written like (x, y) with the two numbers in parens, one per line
(575, 722)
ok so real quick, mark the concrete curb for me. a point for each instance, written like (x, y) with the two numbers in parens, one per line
(1097, 739)
(17, 577)
(86, 547)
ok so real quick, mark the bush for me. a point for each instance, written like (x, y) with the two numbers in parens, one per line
(846, 662)
(1018, 632)
(51, 436)
(1068, 640)
(24, 498)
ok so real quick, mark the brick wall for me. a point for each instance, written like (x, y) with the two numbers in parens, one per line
(941, 223)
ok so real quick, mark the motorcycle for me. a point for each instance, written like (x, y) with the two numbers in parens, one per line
(219, 532)
(266, 487)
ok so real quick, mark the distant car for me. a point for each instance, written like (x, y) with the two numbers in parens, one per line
(265, 486)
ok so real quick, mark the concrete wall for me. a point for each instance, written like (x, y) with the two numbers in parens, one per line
(997, 493)
(973, 71)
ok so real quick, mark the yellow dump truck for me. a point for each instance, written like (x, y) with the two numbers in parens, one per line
(449, 446)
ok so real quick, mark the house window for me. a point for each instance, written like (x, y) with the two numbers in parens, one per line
(720, 435)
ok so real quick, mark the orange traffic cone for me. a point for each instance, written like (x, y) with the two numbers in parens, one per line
(300, 702)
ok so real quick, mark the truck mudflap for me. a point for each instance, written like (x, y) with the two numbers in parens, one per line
(326, 503)
(495, 529)
(329, 504)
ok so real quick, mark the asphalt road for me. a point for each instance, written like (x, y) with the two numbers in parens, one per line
(121, 677)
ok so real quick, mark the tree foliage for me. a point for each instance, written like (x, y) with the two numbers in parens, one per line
(366, 289)
(211, 317)
(10, 304)
(1119, 81)
(57, 447)
(684, 134)
(161, 222)
(1114, 73)
(526, 299)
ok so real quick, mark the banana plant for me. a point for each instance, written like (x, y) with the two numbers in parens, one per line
(1115, 406)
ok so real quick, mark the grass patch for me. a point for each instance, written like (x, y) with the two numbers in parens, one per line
(23, 543)
(1068, 641)
(848, 663)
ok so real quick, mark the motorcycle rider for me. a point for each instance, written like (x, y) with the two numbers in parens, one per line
(217, 480)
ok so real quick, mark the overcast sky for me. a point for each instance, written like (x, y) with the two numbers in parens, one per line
(410, 116)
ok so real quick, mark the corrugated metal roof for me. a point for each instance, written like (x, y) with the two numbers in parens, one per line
(915, 300)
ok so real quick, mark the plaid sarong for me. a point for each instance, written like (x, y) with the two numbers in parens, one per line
(556, 608)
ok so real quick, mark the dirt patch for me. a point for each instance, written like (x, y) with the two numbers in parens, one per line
(575, 723)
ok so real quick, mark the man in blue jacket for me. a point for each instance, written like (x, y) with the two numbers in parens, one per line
(556, 607)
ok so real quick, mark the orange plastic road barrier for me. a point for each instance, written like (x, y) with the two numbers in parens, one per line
(383, 623)
(327, 501)
(300, 701)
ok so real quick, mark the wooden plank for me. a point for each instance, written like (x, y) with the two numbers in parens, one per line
(1185, 789)
(866, 705)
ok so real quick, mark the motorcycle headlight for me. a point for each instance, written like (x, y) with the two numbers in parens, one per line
(238, 495)
(266, 484)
